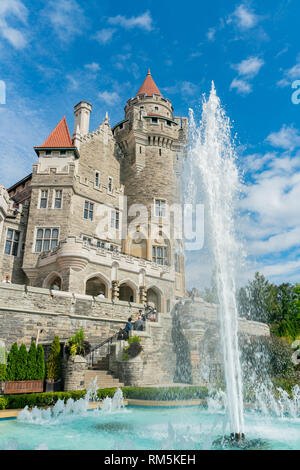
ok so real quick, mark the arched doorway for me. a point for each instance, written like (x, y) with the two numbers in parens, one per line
(95, 286)
(154, 298)
(53, 282)
(126, 293)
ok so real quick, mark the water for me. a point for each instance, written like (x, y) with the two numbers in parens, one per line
(213, 165)
(146, 428)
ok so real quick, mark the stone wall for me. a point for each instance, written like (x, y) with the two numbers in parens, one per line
(198, 343)
(24, 311)
(174, 348)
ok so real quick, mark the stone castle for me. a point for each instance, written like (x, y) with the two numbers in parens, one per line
(75, 222)
(88, 238)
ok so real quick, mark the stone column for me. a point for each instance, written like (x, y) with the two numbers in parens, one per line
(75, 373)
(115, 290)
(143, 295)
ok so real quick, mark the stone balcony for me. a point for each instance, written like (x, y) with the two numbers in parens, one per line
(75, 253)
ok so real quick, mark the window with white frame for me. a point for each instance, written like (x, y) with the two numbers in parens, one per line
(58, 199)
(160, 255)
(97, 179)
(46, 239)
(160, 208)
(88, 210)
(44, 199)
(110, 184)
(12, 242)
(115, 219)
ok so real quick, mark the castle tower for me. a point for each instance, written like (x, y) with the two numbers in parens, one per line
(151, 142)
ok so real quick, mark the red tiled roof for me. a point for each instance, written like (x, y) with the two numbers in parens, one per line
(148, 88)
(59, 137)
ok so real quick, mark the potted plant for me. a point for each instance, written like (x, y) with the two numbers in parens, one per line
(53, 368)
(25, 371)
(77, 345)
(133, 349)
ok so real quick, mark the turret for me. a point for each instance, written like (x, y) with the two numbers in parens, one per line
(82, 112)
(151, 141)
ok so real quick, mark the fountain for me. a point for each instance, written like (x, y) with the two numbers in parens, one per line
(212, 158)
(272, 421)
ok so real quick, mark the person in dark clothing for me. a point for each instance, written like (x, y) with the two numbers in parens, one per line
(128, 327)
(139, 324)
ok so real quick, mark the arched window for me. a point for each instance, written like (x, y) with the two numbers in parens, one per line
(154, 298)
(56, 284)
(96, 287)
(127, 292)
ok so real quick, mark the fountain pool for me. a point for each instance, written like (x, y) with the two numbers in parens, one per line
(149, 428)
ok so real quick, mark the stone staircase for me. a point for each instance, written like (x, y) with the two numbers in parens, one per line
(105, 379)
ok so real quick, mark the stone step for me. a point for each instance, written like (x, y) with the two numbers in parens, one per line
(104, 379)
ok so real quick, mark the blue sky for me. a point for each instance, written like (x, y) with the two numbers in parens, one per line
(56, 53)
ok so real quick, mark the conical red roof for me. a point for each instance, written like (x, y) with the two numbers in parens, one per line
(59, 137)
(148, 88)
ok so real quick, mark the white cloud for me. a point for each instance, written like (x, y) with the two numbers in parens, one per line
(244, 17)
(270, 221)
(211, 33)
(247, 69)
(104, 36)
(109, 98)
(282, 269)
(287, 138)
(17, 146)
(242, 86)
(276, 243)
(189, 88)
(143, 21)
(93, 67)
(66, 17)
(250, 67)
(16, 10)
(290, 74)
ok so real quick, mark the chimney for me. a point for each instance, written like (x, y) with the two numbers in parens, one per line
(82, 113)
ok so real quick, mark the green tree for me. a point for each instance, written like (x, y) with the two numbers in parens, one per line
(32, 362)
(40, 363)
(257, 301)
(22, 363)
(11, 368)
(3, 355)
(53, 365)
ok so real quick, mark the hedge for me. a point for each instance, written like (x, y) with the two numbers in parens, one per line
(143, 393)
(41, 399)
(165, 393)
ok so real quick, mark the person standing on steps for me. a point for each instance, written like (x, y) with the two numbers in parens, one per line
(128, 327)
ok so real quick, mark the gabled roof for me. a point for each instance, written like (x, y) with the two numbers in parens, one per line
(148, 88)
(59, 137)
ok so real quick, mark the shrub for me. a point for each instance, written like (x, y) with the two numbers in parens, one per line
(133, 349)
(32, 362)
(3, 403)
(165, 393)
(40, 363)
(53, 365)
(11, 368)
(78, 345)
(22, 363)
(2, 372)
(142, 393)
(41, 399)
(268, 356)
